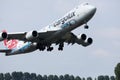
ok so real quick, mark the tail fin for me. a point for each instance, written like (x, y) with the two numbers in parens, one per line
(10, 44)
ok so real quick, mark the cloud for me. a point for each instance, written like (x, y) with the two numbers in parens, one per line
(101, 53)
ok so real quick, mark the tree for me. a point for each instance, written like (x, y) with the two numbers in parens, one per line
(100, 77)
(117, 71)
(8, 76)
(112, 78)
(39, 77)
(95, 78)
(1, 76)
(55, 77)
(66, 77)
(106, 77)
(17, 75)
(26, 76)
(20, 75)
(71, 77)
(33, 76)
(14, 76)
(89, 78)
(78, 78)
(50, 77)
(45, 77)
(83, 79)
(61, 77)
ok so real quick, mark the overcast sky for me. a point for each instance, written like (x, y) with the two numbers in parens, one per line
(98, 59)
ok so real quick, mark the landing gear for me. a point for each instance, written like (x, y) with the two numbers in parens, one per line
(86, 26)
(49, 48)
(61, 45)
(41, 47)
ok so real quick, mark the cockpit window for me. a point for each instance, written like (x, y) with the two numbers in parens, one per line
(84, 4)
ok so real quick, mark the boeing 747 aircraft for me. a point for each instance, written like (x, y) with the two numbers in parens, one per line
(59, 32)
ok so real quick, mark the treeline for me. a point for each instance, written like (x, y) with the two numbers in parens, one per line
(34, 76)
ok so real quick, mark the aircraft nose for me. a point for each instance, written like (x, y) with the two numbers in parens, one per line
(93, 9)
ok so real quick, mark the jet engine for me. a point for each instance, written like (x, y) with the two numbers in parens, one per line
(31, 35)
(82, 37)
(89, 40)
(3, 35)
(83, 40)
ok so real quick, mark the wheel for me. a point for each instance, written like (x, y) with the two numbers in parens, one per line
(41, 47)
(60, 48)
(61, 45)
(49, 48)
(86, 26)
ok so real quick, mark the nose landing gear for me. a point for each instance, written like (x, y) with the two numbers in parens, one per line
(86, 26)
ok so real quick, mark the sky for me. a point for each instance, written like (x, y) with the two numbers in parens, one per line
(100, 58)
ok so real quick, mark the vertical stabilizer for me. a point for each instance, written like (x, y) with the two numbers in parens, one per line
(10, 44)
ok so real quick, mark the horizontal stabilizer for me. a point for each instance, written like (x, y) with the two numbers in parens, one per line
(5, 50)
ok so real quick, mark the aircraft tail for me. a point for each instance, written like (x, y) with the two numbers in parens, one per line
(10, 44)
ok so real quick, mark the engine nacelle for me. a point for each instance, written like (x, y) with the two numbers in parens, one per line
(82, 37)
(82, 40)
(31, 35)
(89, 40)
(3, 35)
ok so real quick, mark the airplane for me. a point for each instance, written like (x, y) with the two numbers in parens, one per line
(59, 32)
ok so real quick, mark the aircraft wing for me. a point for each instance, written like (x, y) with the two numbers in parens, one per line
(20, 35)
(29, 36)
(71, 38)
(68, 38)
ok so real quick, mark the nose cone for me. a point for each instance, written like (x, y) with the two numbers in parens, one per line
(92, 9)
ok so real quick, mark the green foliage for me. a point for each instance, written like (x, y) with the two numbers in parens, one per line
(7, 76)
(1, 76)
(26, 76)
(112, 78)
(17, 75)
(66, 77)
(83, 79)
(32, 76)
(45, 77)
(78, 78)
(117, 71)
(61, 77)
(100, 77)
(106, 77)
(39, 77)
(89, 78)
(55, 77)
(71, 77)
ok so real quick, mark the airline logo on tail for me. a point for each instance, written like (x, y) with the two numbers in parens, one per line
(10, 44)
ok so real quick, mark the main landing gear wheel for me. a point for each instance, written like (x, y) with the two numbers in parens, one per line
(41, 47)
(61, 45)
(49, 48)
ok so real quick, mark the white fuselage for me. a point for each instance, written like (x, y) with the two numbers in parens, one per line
(75, 18)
